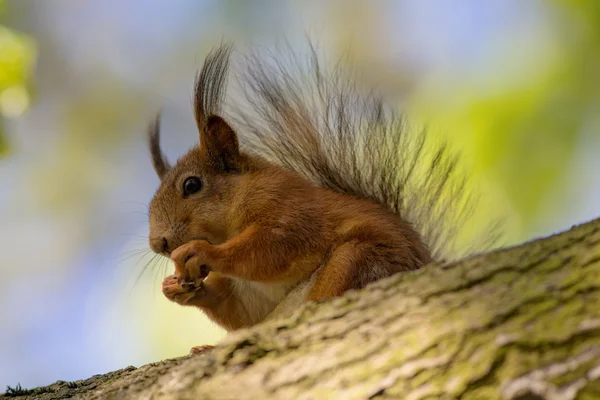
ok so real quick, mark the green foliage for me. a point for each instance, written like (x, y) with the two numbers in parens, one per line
(522, 118)
(17, 55)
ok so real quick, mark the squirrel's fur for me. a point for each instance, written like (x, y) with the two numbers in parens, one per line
(329, 192)
(318, 122)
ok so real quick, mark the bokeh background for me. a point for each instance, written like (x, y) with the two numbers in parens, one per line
(514, 85)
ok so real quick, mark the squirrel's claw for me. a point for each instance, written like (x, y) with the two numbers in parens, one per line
(177, 293)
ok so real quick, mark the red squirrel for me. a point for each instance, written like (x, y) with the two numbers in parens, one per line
(323, 198)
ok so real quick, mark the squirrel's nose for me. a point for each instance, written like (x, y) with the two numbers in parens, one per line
(159, 245)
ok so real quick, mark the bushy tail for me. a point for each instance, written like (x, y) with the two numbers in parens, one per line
(318, 122)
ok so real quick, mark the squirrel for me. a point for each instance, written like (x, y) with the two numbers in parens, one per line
(329, 193)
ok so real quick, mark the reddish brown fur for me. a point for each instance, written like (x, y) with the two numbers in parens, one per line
(262, 230)
(266, 224)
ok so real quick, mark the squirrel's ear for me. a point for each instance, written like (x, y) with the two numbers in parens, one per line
(159, 160)
(219, 143)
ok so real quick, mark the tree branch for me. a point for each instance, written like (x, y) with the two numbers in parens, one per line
(520, 323)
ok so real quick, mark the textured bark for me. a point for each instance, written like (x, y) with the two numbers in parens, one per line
(521, 323)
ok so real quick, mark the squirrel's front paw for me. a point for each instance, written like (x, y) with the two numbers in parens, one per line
(190, 263)
(180, 294)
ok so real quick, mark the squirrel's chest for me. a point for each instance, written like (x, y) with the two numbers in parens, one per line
(259, 299)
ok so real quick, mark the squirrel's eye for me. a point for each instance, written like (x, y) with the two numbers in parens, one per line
(191, 185)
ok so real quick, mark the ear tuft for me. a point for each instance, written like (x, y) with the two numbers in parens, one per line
(159, 160)
(219, 143)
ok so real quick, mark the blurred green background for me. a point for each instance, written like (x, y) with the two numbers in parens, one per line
(514, 85)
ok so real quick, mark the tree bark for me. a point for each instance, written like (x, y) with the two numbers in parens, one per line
(520, 323)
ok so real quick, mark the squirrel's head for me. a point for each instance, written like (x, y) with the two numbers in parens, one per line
(196, 196)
